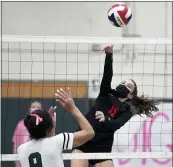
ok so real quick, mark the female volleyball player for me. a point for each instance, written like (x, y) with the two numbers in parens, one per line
(21, 134)
(110, 112)
(44, 150)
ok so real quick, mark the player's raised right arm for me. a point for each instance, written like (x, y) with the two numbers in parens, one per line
(86, 133)
(105, 86)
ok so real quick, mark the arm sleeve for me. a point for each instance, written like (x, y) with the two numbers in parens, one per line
(115, 124)
(65, 140)
(107, 74)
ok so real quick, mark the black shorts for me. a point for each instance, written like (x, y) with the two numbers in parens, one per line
(93, 148)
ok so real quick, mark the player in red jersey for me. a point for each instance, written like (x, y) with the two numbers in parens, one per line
(111, 110)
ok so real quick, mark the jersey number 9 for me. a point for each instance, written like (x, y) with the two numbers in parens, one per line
(35, 160)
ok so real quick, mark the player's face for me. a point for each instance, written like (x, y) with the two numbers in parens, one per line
(35, 105)
(129, 85)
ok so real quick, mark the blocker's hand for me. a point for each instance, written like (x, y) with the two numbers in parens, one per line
(52, 110)
(65, 99)
(53, 115)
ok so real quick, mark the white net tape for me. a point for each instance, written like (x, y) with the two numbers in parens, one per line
(136, 155)
(87, 40)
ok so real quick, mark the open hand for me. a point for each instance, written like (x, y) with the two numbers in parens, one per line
(65, 99)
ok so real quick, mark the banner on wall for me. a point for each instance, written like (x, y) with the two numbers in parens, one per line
(145, 135)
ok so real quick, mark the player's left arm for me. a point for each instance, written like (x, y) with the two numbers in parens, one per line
(112, 124)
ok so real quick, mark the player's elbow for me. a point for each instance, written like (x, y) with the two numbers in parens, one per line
(115, 127)
(83, 136)
(91, 134)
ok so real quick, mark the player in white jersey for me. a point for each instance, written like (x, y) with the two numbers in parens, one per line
(45, 150)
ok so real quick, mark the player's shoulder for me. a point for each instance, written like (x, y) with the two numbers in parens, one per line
(64, 139)
(23, 147)
(62, 136)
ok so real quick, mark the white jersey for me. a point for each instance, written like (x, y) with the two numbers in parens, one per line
(46, 152)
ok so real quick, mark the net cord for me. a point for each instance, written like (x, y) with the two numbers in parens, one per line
(86, 40)
(132, 155)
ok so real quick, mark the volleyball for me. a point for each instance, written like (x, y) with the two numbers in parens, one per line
(119, 14)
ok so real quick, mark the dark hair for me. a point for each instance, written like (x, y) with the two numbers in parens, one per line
(143, 104)
(40, 130)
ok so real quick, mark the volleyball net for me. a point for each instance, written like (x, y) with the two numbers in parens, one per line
(34, 67)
